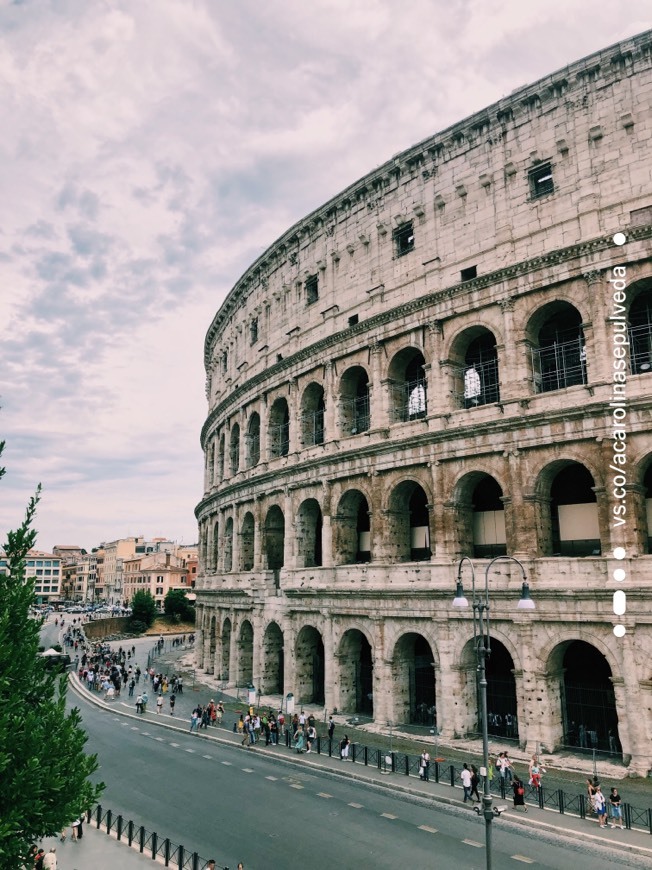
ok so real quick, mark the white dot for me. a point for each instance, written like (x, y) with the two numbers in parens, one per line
(619, 602)
(620, 238)
(619, 553)
(620, 574)
(620, 630)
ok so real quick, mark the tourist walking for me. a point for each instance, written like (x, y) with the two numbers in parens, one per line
(465, 776)
(601, 807)
(424, 766)
(159, 703)
(475, 779)
(173, 701)
(616, 809)
(344, 748)
(519, 793)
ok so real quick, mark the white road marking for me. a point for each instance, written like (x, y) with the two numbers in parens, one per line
(473, 843)
(227, 763)
(272, 778)
(135, 728)
(388, 816)
(295, 785)
(160, 739)
(357, 806)
(324, 794)
(428, 829)
(176, 745)
(523, 858)
(247, 770)
(192, 751)
(209, 757)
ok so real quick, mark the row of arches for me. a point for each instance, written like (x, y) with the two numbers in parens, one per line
(557, 358)
(402, 530)
(583, 680)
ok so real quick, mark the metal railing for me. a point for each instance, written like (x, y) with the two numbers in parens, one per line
(148, 843)
(406, 764)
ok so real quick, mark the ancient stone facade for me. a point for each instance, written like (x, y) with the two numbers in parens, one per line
(424, 369)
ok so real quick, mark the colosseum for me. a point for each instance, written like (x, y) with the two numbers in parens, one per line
(449, 362)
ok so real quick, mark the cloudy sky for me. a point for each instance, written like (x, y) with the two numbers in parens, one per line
(151, 150)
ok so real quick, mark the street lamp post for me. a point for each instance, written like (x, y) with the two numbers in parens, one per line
(482, 641)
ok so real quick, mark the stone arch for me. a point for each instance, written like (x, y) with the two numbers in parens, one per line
(253, 440)
(352, 529)
(480, 520)
(247, 533)
(212, 449)
(355, 409)
(569, 521)
(473, 356)
(639, 326)
(588, 717)
(312, 415)
(356, 673)
(502, 705)
(647, 497)
(408, 385)
(408, 526)
(246, 654)
(414, 679)
(279, 429)
(309, 666)
(558, 353)
(215, 556)
(228, 545)
(226, 649)
(220, 457)
(234, 449)
(212, 646)
(275, 538)
(309, 534)
(272, 682)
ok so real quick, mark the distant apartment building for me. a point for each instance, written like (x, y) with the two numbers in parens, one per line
(46, 569)
(159, 572)
(114, 555)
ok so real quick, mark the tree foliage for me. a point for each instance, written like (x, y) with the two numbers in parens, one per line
(143, 607)
(44, 772)
(176, 604)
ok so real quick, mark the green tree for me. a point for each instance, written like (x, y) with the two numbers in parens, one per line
(143, 607)
(176, 604)
(44, 772)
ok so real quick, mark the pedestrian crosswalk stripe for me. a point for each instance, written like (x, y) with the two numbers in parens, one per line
(295, 785)
(247, 770)
(135, 728)
(272, 778)
(176, 745)
(427, 828)
(227, 763)
(191, 751)
(388, 816)
(523, 858)
(209, 757)
(473, 843)
(160, 739)
(324, 794)
(357, 806)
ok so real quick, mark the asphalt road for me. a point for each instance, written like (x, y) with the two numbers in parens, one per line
(237, 805)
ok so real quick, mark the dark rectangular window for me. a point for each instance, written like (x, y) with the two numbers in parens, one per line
(404, 239)
(468, 274)
(353, 319)
(253, 331)
(541, 181)
(312, 289)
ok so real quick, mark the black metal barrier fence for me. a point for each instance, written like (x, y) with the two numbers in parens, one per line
(149, 843)
(409, 765)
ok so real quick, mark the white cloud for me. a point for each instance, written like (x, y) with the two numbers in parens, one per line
(150, 152)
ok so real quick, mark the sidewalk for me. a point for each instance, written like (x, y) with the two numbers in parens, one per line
(96, 850)
(549, 822)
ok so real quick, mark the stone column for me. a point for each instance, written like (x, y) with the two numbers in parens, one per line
(631, 721)
(521, 511)
(326, 531)
(259, 536)
(199, 637)
(598, 360)
(289, 543)
(235, 557)
(378, 389)
(329, 665)
(330, 404)
(233, 650)
(438, 388)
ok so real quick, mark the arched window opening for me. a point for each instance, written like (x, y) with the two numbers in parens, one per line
(356, 674)
(228, 545)
(640, 334)
(477, 382)
(414, 680)
(574, 513)
(647, 484)
(408, 386)
(559, 359)
(489, 538)
(309, 533)
(588, 702)
(279, 429)
(235, 449)
(355, 413)
(253, 441)
(275, 538)
(312, 415)
(247, 543)
(419, 526)
(221, 458)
